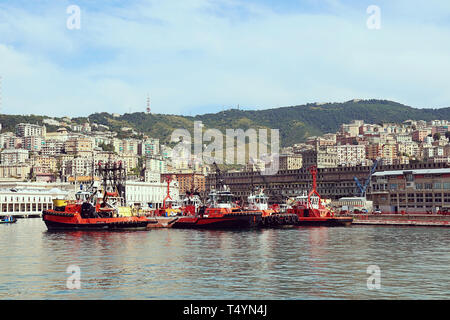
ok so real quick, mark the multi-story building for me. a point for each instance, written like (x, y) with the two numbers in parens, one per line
(26, 202)
(403, 138)
(188, 181)
(131, 146)
(28, 129)
(63, 161)
(12, 142)
(149, 194)
(44, 164)
(33, 143)
(151, 176)
(352, 129)
(61, 135)
(79, 146)
(13, 156)
(105, 156)
(320, 141)
(351, 155)
(76, 127)
(52, 147)
(148, 147)
(439, 122)
(9, 141)
(156, 164)
(86, 127)
(290, 161)
(324, 157)
(369, 129)
(79, 167)
(410, 149)
(130, 160)
(440, 129)
(411, 190)
(255, 165)
(432, 152)
(420, 134)
(18, 171)
(386, 152)
(118, 145)
(389, 153)
(441, 159)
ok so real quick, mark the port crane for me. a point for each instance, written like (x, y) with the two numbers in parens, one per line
(363, 187)
(193, 190)
(273, 195)
(219, 180)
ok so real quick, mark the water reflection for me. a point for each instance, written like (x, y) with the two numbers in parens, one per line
(297, 263)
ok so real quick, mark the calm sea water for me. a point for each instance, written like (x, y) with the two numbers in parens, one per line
(297, 263)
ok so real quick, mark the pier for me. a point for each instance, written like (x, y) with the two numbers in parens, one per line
(428, 220)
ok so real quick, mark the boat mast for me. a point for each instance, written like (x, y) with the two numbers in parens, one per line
(313, 171)
(168, 180)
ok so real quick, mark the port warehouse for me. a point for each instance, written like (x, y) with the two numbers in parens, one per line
(28, 202)
(389, 189)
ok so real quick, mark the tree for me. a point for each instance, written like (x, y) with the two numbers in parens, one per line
(436, 136)
(447, 134)
(106, 147)
(135, 171)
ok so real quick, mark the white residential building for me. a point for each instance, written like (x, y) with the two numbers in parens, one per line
(350, 155)
(28, 129)
(156, 164)
(13, 156)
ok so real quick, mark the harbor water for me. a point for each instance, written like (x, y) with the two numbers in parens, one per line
(291, 263)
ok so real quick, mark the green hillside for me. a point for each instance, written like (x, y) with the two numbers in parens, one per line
(295, 123)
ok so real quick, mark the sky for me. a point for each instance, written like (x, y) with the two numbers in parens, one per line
(202, 56)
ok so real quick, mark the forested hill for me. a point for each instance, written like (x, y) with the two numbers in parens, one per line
(295, 123)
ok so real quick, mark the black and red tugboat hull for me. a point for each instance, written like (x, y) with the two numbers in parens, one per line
(228, 221)
(64, 221)
(326, 221)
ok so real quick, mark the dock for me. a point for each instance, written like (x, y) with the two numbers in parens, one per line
(426, 220)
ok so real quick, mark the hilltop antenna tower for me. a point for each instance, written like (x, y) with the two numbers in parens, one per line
(148, 104)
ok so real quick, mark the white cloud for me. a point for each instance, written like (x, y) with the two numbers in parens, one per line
(194, 53)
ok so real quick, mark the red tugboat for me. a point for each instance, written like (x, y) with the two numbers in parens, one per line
(220, 212)
(191, 204)
(271, 216)
(312, 212)
(90, 211)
